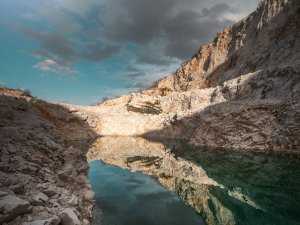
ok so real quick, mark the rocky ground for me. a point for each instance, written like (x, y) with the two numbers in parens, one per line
(43, 168)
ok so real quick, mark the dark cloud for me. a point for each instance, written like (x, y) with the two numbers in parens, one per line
(59, 52)
(140, 86)
(53, 45)
(218, 10)
(135, 75)
(152, 59)
(161, 31)
(188, 30)
(132, 69)
(180, 32)
(97, 53)
(133, 72)
(140, 21)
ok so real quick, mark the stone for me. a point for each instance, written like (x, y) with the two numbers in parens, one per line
(85, 222)
(17, 189)
(89, 195)
(68, 217)
(3, 193)
(56, 205)
(49, 192)
(12, 207)
(52, 221)
(40, 199)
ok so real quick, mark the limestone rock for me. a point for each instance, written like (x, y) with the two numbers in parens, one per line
(49, 192)
(12, 207)
(40, 199)
(68, 217)
(52, 221)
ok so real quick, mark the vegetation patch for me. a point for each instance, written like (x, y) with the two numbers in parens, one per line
(146, 108)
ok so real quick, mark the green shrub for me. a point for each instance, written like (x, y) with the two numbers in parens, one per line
(147, 108)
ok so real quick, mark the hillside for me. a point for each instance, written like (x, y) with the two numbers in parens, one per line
(43, 168)
(240, 91)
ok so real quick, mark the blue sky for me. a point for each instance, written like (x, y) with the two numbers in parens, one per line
(78, 51)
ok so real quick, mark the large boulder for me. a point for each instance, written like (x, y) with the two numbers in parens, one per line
(68, 217)
(11, 207)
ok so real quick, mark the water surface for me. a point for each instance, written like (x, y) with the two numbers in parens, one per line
(132, 198)
(222, 186)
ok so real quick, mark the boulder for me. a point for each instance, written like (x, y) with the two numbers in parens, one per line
(3, 193)
(49, 192)
(12, 207)
(40, 199)
(68, 217)
(52, 221)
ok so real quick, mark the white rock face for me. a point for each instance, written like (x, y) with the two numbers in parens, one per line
(237, 92)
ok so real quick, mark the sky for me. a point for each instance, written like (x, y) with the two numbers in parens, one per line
(80, 51)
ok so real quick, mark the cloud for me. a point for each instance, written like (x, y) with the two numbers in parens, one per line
(132, 69)
(97, 53)
(175, 29)
(53, 45)
(50, 66)
(133, 72)
(135, 75)
(152, 59)
(59, 52)
(163, 32)
(141, 86)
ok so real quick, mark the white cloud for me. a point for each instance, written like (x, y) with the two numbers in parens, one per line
(49, 65)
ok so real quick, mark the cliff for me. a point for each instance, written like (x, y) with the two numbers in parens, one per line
(241, 91)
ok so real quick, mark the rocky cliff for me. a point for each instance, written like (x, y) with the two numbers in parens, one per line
(43, 168)
(240, 91)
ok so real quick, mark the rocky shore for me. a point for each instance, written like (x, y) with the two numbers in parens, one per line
(43, 168)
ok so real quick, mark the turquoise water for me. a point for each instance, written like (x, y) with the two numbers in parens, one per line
(131, 198)
(180, 184)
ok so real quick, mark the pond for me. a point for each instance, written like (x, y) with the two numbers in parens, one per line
(138, 181)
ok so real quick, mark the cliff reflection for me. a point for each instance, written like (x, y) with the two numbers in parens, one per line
(225, 187)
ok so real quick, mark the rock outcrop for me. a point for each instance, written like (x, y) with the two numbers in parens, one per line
(43, 168)
(241, 91)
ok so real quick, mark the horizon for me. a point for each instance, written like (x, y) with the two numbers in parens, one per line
(80, 52)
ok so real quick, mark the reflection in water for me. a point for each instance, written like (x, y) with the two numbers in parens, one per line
(127, 198)
(225, 187)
